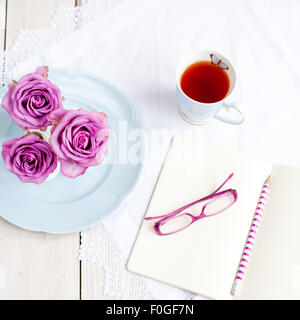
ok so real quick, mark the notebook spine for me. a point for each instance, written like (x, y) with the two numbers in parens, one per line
(251, 238)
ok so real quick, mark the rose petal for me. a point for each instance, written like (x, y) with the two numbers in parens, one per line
(102, 116)
(57, 115)
(43, 71)
(71, 169)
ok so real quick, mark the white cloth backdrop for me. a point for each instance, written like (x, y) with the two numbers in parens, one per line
(136, 45)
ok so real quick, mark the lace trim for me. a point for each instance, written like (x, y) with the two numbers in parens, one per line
(64, 22)
(99, 246)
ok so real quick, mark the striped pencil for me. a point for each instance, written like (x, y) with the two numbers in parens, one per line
(251, 237)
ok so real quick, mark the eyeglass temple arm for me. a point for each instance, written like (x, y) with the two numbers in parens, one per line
(229, 177)
(173, 213)
(170, 214)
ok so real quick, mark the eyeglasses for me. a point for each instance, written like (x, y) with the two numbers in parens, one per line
(179, 219)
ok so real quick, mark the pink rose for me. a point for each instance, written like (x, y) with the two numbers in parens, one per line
(30, 158)
(79, 138)
(30, 101)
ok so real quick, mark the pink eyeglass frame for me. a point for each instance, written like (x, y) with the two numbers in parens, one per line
(174, 214)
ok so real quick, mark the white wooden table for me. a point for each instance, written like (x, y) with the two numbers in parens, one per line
(37, 265)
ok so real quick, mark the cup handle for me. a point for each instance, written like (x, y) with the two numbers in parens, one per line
(222, 115)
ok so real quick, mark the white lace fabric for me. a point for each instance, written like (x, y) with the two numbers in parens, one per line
(64, 22)
(98, 246)
(105, 244)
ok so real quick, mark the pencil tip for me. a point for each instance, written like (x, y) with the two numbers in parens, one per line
(268, 179)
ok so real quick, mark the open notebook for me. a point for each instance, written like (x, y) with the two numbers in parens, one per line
(204, 258)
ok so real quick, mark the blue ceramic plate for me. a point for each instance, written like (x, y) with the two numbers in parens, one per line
(65, 205)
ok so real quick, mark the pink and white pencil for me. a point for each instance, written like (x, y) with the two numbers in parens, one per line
(251, 237)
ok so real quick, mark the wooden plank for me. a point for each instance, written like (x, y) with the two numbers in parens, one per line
(30, 14)
(36, 265)
(81, 2)
(2, 23)
(92, 282)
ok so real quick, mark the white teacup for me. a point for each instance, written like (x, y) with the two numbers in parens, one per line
(199, 113)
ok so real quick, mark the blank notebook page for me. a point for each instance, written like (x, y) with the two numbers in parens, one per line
(274, 268)
(204, 257)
